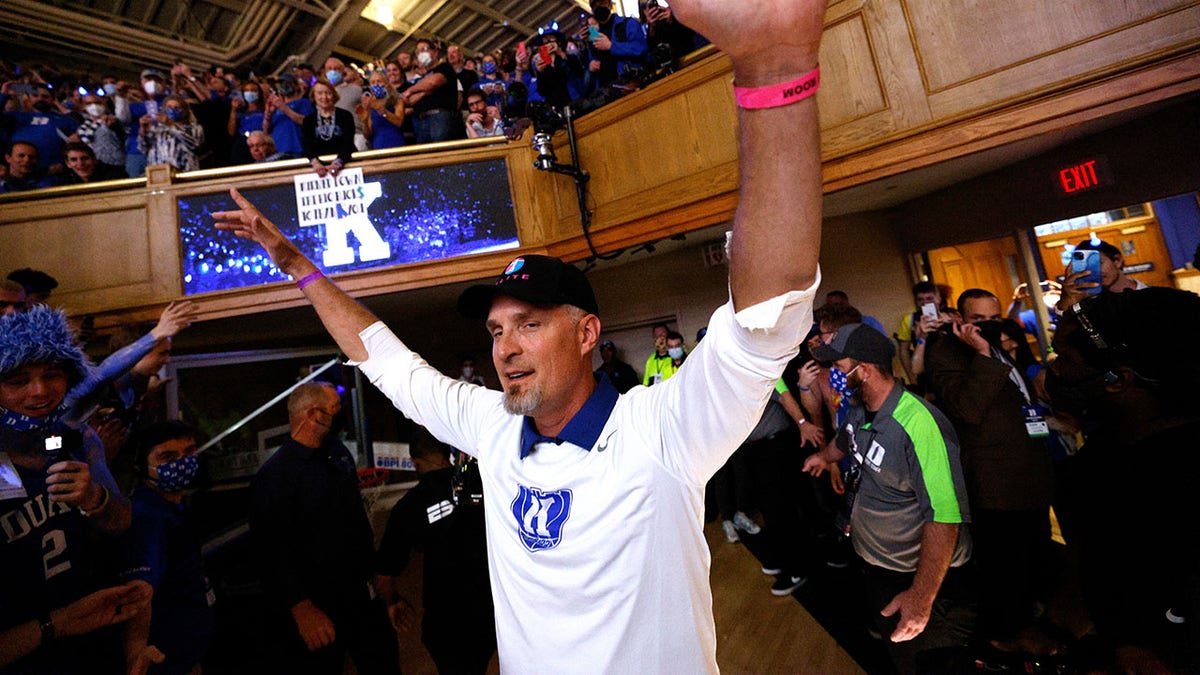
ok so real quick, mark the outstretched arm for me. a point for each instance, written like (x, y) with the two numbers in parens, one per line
(777, 228)
(342, 315)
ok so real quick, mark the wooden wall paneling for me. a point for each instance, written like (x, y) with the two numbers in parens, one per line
(100, 247)
(679, 150)
(933, 144)
(871, 86)
(979, 55)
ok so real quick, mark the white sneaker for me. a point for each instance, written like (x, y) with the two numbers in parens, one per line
(731, 534)
(742, 522)
(784, 585)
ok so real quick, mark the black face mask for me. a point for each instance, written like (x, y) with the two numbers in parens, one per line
(43, 106)
(602, 14)
(990, 330)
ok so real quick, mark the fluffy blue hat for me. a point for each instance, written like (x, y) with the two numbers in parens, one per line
(40, 335)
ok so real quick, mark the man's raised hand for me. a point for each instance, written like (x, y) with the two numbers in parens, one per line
(249, 223)
(769, 41)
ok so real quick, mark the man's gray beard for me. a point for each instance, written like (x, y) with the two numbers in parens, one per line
(524, 403)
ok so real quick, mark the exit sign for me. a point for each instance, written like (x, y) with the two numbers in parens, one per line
(1083, 176)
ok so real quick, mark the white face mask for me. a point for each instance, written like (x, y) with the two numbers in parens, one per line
(150, 87)
(424, 59)
(675, 352)
(94, 109)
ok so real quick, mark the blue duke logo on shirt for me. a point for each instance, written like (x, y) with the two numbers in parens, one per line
(540, 516)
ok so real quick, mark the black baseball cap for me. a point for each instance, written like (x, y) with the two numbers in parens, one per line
(859, 342)
(1096, 245)
(536, 279)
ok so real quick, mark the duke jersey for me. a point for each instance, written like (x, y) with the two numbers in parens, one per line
(43, 549)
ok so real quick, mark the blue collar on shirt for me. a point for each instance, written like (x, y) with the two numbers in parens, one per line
(584, 428)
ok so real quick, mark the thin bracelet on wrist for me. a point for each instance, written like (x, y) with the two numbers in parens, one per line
(104, 496)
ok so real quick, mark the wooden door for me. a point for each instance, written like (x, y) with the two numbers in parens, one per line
(991, 265)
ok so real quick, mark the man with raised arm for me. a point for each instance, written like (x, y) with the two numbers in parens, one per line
(595, 525)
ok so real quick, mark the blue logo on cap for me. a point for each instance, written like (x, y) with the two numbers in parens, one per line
(540, 516)
(514, 266)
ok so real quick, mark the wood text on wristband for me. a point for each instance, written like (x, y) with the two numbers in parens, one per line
(777, 95)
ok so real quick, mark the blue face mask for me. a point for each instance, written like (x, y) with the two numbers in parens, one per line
(489, 68)
(378, 91)
(675, 353)
(333, 76)
(175, 114)
(177, 474)
(839, 381)
(250, 96)
(110, 88)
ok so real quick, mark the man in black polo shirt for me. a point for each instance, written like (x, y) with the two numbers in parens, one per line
(434, 98)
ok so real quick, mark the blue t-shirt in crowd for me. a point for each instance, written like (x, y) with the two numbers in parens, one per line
(285, 132)
(47, 131)
(250, 121)
(385, 134)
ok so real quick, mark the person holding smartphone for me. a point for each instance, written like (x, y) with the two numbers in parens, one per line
(1112, 275)
(57, 470)
(554, 70)
(617, 43)
(663, 29)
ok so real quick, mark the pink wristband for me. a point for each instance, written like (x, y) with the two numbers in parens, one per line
(778, 95)
(309, 279)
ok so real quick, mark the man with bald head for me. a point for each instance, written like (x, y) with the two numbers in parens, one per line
(315, 546)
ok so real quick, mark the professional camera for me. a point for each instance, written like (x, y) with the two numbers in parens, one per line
(660, 62)
(546, 122)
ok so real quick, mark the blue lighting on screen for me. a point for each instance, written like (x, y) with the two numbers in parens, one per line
(423, 214)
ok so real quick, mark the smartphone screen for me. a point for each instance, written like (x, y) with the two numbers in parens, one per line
(929, 309)
(593, 33)
(1087, 261)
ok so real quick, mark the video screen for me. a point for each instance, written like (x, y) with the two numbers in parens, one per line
(353, 222)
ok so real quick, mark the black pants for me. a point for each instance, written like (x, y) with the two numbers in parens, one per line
(951, 621)
(786, 499)
(732, 486)
(363, 630)
(1012, 552)
(462, 644)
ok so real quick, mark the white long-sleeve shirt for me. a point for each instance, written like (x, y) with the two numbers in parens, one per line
(597, 554)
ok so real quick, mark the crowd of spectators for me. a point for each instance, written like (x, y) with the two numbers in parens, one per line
(62, 128)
